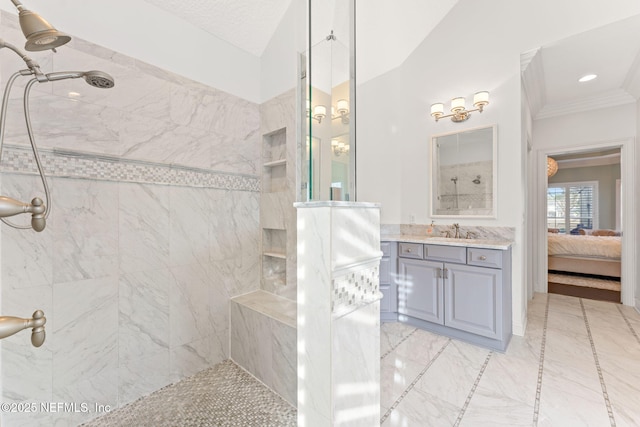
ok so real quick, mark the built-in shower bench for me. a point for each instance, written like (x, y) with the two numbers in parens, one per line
(263, 340)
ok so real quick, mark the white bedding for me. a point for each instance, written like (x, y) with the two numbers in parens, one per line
(587, 246)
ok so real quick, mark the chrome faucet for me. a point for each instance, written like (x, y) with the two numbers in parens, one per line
(10, 325)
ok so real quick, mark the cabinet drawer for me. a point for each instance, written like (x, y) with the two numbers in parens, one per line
(410, 250)
(455, 254)
(484, 257)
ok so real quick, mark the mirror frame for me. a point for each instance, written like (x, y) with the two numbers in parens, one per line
(435, 167)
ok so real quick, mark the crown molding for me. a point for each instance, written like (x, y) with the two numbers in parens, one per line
(607, 99)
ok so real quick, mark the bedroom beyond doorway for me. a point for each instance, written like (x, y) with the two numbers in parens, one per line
(584, 242)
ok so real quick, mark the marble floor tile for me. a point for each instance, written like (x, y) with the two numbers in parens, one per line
(578, 364)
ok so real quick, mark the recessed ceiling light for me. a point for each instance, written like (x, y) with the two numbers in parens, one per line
(587, 78)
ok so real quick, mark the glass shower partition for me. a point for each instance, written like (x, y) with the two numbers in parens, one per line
(328, 81)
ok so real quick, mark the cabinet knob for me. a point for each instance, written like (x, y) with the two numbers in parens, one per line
(482, 258)
(408, 250)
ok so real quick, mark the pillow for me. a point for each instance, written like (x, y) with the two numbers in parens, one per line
(554, 230)
(603, 233)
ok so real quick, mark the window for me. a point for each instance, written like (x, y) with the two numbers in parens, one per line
(572, 205)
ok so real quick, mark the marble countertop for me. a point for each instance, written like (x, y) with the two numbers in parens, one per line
(335, 204)
(447, 241)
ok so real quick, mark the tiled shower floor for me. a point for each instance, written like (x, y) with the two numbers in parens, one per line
(224, 395)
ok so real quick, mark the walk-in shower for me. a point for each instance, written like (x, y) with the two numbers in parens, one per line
(40, 36)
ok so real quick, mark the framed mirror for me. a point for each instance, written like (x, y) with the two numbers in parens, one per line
(463, 173)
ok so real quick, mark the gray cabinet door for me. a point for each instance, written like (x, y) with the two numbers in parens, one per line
(473, 298)
(420, 290)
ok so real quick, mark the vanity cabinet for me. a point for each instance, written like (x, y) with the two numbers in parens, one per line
(388, 275)
(420, 290)
(462, 292)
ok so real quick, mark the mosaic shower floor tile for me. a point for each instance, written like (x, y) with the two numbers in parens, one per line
(224, 395)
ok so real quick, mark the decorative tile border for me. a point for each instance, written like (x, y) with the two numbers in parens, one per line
(413, 383)
(605, 394)
(473, 390)
(354, 288)
(398, 344)
(629, 325)
(536, 407)
(73, 164)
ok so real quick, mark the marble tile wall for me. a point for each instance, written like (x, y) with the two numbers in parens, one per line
(277, 208)
(142, 252)
(338, 339)
(264, 340)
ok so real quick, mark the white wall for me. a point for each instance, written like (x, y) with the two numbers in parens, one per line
(279, 61)
(584, 128)
(380, 147)
(637, 202)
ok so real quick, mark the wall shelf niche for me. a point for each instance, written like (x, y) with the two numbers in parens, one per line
(274, 258)
(274, 157)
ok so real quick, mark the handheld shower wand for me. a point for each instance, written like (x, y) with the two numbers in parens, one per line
(40, 36)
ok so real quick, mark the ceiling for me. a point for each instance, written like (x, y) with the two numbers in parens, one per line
(396, 28)
(246, 24)
(612, 52)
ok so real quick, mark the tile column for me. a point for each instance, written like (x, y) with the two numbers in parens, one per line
(338, 314)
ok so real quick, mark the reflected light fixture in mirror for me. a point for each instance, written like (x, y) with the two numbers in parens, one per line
(458, 111)
(342, 110)
(339, 148)
(552, 167)
(319, 112)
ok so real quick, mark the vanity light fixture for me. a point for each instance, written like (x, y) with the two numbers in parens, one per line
(458, 111)
(552, 167)
(342, 110)
(339, 148)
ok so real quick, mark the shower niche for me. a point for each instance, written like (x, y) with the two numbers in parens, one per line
(463, 173)
(274, 177)
(274, 264)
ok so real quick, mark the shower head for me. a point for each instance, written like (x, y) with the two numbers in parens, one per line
(95, 78)
(39, 33)
(99, 79)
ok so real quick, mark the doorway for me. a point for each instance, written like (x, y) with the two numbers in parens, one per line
(625, 223)
(584, 237)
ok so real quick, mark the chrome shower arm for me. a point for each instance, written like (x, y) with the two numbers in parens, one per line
(10, 325)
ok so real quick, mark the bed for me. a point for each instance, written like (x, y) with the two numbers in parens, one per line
(585, 265)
